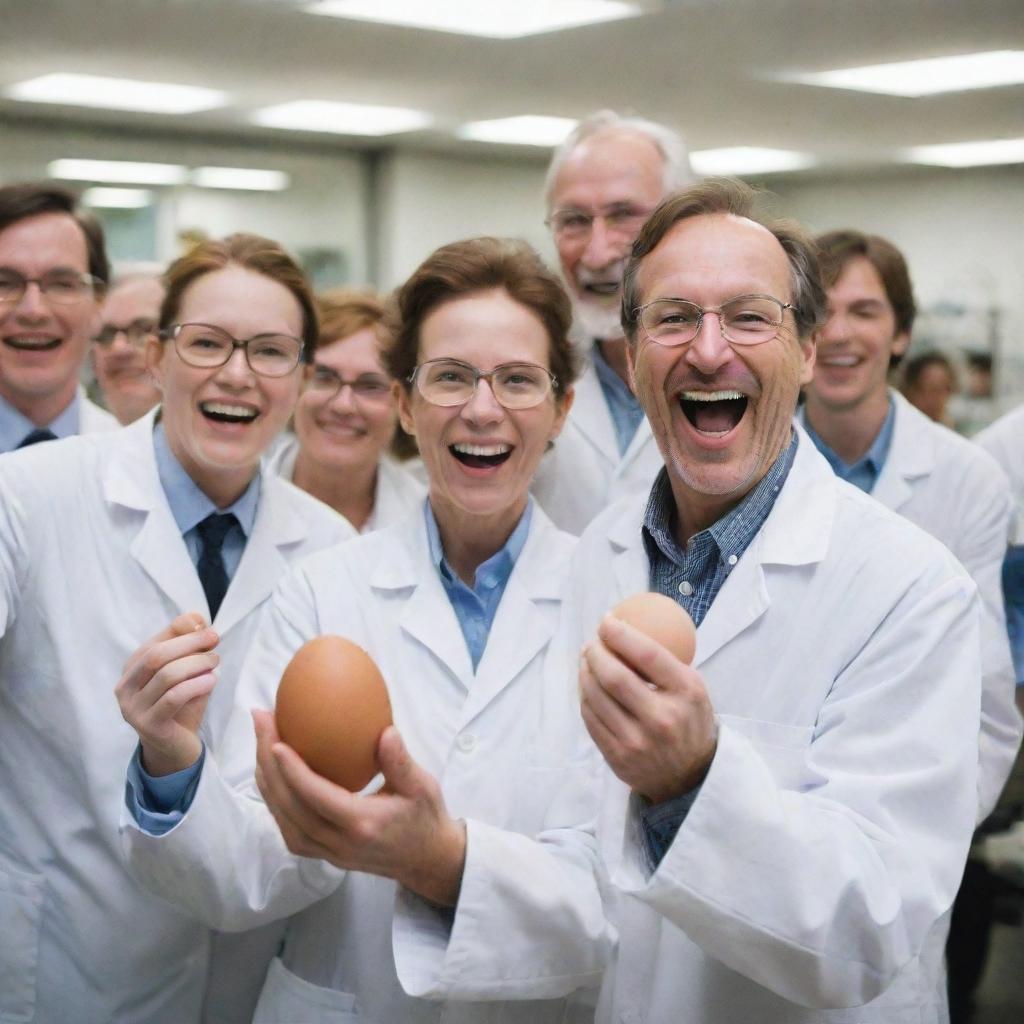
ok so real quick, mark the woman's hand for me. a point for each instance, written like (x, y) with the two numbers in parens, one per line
(164, 689)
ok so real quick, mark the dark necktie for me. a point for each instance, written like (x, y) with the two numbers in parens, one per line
(212, 574)
(37, 435)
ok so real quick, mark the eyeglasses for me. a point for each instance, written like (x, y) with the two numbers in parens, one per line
(136, 333)
(326, 383)
(451, 382)
(60, 286)
(572, 225)
(202, 345)
(745, 320)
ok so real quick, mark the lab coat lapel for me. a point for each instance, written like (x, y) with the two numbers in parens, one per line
(910, 457)
(131, 482)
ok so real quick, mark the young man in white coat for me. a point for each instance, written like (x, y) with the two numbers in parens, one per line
(603, 181)
(53, 273)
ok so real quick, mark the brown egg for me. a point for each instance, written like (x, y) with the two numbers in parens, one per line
(332, 706)
(660, 618)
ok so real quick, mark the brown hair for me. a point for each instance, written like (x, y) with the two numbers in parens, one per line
(726, 195)
(31, 199)
(251, 252)
(838, 248)
(475, 265)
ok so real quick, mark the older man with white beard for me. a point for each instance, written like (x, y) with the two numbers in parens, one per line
(603, 182)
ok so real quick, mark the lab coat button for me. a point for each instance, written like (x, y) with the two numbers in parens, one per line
(686, 588)
(466, 742)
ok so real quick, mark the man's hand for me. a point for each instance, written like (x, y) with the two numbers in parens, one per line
(403, 832)
(648, 712)
(164, 689)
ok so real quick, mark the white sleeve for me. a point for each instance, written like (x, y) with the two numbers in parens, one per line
(14, 548)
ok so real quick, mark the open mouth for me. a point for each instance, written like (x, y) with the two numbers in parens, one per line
(222, 412)
(605, 289)
(843, 362)
(481, 456)
(713, 412)
(32, 344)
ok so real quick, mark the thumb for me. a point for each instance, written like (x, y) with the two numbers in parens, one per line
(401, 773)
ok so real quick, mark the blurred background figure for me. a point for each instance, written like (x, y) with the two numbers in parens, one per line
(128, 317)
(928, 382)
(347, 445)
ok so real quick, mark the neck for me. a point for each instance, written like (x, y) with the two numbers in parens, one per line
(350, 492)
(42, 410)
(614, 352)
(468, 541)
(849, 431)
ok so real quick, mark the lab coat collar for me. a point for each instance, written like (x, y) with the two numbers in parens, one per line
(911, 455)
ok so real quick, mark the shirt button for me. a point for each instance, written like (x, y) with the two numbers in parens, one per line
(733, 559)
(466, 742)
(686, 588)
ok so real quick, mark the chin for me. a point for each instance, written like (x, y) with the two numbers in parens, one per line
(598, 321)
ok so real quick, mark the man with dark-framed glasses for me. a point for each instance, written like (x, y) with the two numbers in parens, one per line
(53, 272)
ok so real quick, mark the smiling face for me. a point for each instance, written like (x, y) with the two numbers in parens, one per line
(43, 343)
(220, 421)
(481, 457)
(857, 342)
(610, 171)
(721, 414)
(345, 431)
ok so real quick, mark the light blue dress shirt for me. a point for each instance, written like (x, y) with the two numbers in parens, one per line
(14, 427)
(622, 404)
(865, 471)
(476, 606)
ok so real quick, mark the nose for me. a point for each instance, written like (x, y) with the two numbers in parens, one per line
(236, 372)
(709, 351)
(483, 408)
(836, 327)
(344, 399)
(603, 246)
(32, 305)
(121, 345)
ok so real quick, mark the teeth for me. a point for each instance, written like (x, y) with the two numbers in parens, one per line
(30, 341)
(482, 449)
(711, 396)
(840, 361)
(223, 409)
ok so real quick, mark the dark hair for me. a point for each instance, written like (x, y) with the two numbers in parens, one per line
(914, 368)
(476, 265)
(728, 196)
(31, 199)
(252, 252)
(838, 248)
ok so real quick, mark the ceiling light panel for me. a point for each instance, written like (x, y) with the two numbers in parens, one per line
(116, 94)
(102, 198)
(118, 172)
(969, 154)
(527, 130)
(495, 19)
(926, 77)
(748, 160)
(242, 178)
(341, 118)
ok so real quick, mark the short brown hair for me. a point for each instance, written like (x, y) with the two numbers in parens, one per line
(475, 265)
(252, 252)
(31, 199)
(838, 248)
(726, 195)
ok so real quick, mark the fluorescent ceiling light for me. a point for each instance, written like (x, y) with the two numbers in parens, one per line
(748, 160)
(117, 198)
(527, 130)
(496, 19)
(969, 154)
(341, 118)
(245, 178)
(116, 94)
(926, 77)
(118, 171)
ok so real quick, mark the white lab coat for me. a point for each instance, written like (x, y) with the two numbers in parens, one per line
(506, 744)
(583, 473)
(93, 419)
(91, 565)
(944, 484)
(396, 494)
(1004, 441)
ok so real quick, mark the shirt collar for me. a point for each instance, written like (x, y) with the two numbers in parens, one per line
(189, 504)
(608, 377)
(14, 427)
(873, 459)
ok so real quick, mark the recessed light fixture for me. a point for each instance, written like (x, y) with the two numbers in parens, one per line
(244, 178)
(748, 160)
(495, 19)
(118, 171)
(969, 154)
(341, 118)
(925, 77)
(526, 130)
(116, 94)
(101, 198)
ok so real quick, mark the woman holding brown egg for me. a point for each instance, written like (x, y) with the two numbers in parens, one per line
(488, 763)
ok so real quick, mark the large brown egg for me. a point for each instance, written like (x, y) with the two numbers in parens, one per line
(332, 706)
(660, 618)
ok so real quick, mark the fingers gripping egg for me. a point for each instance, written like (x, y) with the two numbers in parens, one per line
(660, 618)
(332, 706)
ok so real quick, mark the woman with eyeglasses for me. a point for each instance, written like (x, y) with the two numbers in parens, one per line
(487, 765)
(104, 539)
(347, 445)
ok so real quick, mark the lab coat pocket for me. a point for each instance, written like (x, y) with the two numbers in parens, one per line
(287, 998)
(783, 747)
(21, 908)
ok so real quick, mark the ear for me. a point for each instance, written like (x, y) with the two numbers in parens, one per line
(154, 360)
(808, 353)
(630, 367)
(403, 397)
(900, 343)
(562, 407)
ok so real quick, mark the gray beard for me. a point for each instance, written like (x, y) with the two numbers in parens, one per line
(596, 321)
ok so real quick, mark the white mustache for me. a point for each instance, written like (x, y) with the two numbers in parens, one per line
(613, 272)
